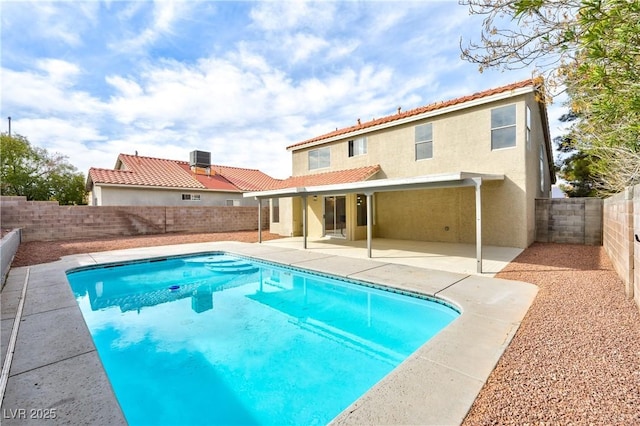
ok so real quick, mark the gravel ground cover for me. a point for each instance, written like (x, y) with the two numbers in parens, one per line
(574, 360)
(35, 252)
(576, 357)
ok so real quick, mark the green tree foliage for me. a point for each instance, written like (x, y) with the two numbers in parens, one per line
(592, 49)
(34, 173)
(605, 91)
(575, 166)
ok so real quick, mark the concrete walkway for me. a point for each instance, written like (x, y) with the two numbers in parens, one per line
(56, 367)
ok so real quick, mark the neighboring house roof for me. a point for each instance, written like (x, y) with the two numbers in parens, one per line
(246, 179)
(535, 83)
(157, 172)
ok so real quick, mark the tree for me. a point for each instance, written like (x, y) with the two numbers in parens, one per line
(34, 173)
(574, 166)
(605, 91)
(519, 34)
(590, 48)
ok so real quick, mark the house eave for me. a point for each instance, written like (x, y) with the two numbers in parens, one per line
(166, 188)
(445, 180)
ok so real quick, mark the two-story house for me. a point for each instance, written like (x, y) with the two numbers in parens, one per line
(462, 171)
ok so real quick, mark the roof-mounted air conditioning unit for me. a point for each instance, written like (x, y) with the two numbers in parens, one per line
(200, 159)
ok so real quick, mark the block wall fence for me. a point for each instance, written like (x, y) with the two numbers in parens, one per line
(48, 221)
(621, 217)
(569, 220)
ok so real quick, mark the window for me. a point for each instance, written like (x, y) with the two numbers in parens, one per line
(361, 209)
(528, 134)
(503, 127)
(357, 147)
(275, 210)
(190, 197)
(232, 203)
(424, 141)
(319, 158)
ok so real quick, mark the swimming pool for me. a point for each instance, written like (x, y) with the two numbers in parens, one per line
(220, 339)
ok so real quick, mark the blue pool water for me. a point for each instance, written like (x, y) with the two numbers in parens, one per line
(219, 339)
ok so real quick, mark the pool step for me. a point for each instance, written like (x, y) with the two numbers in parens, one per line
(223, 264)
(231, 267)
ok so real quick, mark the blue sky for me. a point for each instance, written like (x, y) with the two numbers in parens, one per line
(242, 80)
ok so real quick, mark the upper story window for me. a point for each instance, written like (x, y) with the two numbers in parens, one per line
(357, 147)
(424, 141)
(232, 203)
(319, 158)
(528, 124)
(503, 127)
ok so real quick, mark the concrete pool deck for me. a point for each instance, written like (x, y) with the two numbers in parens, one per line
(55, 364)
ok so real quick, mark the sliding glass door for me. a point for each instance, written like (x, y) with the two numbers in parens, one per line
(335, 216)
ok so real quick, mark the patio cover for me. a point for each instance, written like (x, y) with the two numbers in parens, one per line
(369, 187)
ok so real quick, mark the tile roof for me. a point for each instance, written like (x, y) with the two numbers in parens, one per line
(533, 82)
(329, 178)
(247, 179)
(158, 172)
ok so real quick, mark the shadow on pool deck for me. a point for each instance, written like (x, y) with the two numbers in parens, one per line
(55, 364)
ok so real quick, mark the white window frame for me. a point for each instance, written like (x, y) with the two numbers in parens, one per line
(232, 203)
(191, 197)
(423, 141)
(357, 146)
(502, 127)
(317, 156)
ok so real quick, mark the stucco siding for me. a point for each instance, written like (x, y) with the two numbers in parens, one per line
(119, 196)
(461, 142)
(449, 215)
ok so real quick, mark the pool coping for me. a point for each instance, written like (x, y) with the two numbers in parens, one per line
(437, 384)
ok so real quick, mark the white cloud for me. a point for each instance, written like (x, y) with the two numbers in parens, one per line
(60, 73)
(126, 87)
(302, 46)
(51, 92)
(165, 13)
(291, 15)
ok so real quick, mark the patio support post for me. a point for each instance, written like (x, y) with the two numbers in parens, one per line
(304, 221)
(259, 220)
(369, 222)
(478, 185)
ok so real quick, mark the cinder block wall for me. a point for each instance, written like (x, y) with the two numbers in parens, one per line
(48, 221)
(569, 220)
(619, 243)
